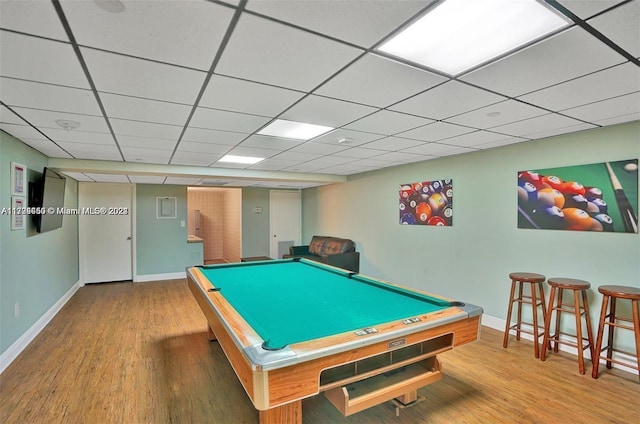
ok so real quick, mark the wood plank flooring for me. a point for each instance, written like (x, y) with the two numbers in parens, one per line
(138, 353)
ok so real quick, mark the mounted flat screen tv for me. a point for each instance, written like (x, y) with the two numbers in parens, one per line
(48, 194)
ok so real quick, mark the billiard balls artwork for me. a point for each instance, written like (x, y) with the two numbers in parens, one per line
(426, 203)
(549, 202)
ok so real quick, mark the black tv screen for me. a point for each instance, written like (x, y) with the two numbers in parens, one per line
(48, 194)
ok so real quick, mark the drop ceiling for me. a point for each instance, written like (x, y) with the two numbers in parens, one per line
(176, 85)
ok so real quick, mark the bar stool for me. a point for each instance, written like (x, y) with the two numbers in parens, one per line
(610, 295)
(535, 300)
(579, 289)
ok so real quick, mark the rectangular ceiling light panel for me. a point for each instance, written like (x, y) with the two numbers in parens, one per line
(292, 129)
(458, 35)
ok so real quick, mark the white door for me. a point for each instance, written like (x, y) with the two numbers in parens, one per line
(285, 221)
(104, 228)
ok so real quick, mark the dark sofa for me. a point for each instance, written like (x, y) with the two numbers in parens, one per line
(333, 251)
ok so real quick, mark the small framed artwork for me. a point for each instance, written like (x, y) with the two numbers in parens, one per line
(17, 216)
(166, 207)
(18, 179)
(427, 203)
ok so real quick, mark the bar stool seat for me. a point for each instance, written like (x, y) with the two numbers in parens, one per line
(610, 295)
(535, 299)
(579, 290)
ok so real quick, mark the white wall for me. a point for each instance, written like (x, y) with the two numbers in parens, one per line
(471, 260)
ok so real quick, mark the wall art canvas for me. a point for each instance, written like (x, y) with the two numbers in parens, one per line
(427, 203)
(594, 197)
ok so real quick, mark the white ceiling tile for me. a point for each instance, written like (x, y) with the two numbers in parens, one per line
(435, 131)
(274, 143)
(387, 122)
(548, 62)
(201, 135)
(345, 169)
(324, 111)
(436, 149)
(296, 156)
(107, 178)
(22, 132)
(449, 99)
(247, 97)
(190, 146)
(32, 17)
(47, 119)
(498, 143)
(392, 144)
(46, 147)
(378, 81)
(318, 148)
(622, 26)
(402, 157)
(146, 179)
(477, 138)
(158, 157)
(363, 23)
(146, 142)
(153, 30)
(75, 136)
(226, 121)
(350, 138)
(612, 82)
(271, 164)
(265, 51)
(78, 176)
(145, 129)
(92, 151)
(542, 126)
(192, 158)
(585, 9)
(124, 107)
(22, 56)
(46, 96)
(8, 117)
(113, 73)
(616, 110)
(497, 114)
(360, 153)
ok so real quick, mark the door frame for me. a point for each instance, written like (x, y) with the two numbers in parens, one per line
(81, 240)
(273, 248)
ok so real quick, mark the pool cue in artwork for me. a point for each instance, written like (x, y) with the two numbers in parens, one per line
(629, 218)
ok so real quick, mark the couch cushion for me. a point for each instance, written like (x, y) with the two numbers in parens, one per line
(317, 245)
(334, 245)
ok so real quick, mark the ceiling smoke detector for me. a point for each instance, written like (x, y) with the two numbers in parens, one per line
(67, 124)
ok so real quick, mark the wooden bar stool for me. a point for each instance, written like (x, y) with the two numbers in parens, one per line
(535, 299)
(579, 289)
(610, 295)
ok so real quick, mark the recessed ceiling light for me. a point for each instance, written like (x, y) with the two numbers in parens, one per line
(113, 6)
(458, 35)
(67, 124)
(293, 129)
(240, 159)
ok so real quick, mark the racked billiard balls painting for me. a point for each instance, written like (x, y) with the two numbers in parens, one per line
(427, 203)
(593, 197)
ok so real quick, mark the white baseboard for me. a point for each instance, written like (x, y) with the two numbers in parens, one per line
(499, 324)
(9, 355)
(159, 277)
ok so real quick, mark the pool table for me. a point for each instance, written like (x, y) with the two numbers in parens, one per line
(293, 328)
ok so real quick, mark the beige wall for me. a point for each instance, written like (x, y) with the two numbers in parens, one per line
(220, 222)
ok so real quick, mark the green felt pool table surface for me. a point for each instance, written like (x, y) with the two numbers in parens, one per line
(288, 302)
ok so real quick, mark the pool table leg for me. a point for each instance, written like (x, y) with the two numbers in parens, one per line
(290, 413)
(212, 335)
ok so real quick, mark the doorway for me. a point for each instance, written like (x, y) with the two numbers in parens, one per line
(105, 231)
(285, 221)
(215, 216)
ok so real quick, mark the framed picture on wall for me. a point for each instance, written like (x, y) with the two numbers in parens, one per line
(17, 216)
(427, 203)
(593, 197)
(18, 179)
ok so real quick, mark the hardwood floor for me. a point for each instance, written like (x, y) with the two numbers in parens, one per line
(138, 353)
